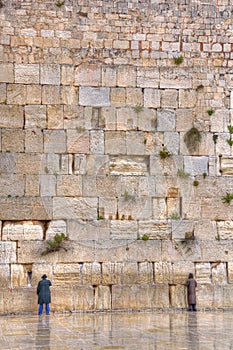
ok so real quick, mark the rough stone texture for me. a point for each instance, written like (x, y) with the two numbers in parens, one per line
(94, 113)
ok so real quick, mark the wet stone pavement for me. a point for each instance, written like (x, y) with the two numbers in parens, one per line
(119, 330)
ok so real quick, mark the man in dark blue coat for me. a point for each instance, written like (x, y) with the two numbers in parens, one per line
(44, 295)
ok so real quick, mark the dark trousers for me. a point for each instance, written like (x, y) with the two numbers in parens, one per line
(47, 309)
(192, 307)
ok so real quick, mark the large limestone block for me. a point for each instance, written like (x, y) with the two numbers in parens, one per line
(102, 298)
(13, 296)
(134, 97)
(182, 229)
(147, 119)
(92, 164)
(2, 93)
(51, 95)
(108, 207)
(134, 208)
(13, 140)
(118, 97)
(178, 296)
(55, 117)
(8, 252)
(226, 166)
(205, 296)
(85, 231)
(78, 142)
(48, 185)
(55, 227)
(5, 275)
(83, 298)
(109, 74)
(35, 116)
(133, 165)
(135, 143)
(184, 119)
(54, 141)
(166, 120)
(163, 272)
(26, 208)
(159, 208)
(11, 185)
(219, 273)
(227, 296)
(126, 119)
(16, 94)
(216, 250)
(186, 250)
(93, 96)
(203, 272)
(140, 296)
(69, 185)
(220, 120)
(205, 230)
(169, 98)
(126, 76)
(187, 98)
(225, 230)
(91, 273)
(74, 208)
(62, 299)
(147, 77)
(181, 270)
(175, 78)
(111, 273)
(33, 92)
(123, 229)
(129, 273)
(155, 229)
(145, 273)
(6, 72)
(230, 271)
(196, 165)
(108, 186)
(152, 98)
(38, 270)
(88, 75)
(11, 116)
(34, 140)
(108, 118)
(50, 74)
(27, 73)
(115, 142)
(97, 141)
(67, 274)
(24, 230)
(69, 95)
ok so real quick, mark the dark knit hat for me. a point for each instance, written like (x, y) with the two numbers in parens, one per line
(44, 277)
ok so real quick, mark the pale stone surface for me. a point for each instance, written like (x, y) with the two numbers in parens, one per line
(11, 185)
(6, 73)
(172, 79)
(126, 119)
(91, 273)
(102, 298)
(24, 230)
(33, 94)
(50, 74)
(74, 208)
(136, 208)
(55, 227)
(187, 98)
(182, 229)
(5, 275)
(111, 273)
(230, 272)
(88, 75)
(19, 275)
(203, 273)
(48, 185)
(8, 252)
(27, 73)
(166, 120)
(155, 229)
(11, 116)
(51, 94)
(147, 77)
(67, 274)
(126, 76)
(128, 165)
(16, 94)
(78, 142)
(83, 298)
(54, 141)
(196, 165)
(226, 164)
(145, 273)
(219, 273)
(225, 229)
(129, 273)
(97, 141)
(93, 96)
(35, 116)
(69, 185)
(169, 98)
(178, 296)
(152, 98)
(123, 229)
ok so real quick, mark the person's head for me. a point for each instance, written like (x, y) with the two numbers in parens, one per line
(190, 275)
(44, 277)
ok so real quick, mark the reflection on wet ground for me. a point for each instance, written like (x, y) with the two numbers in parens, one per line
(123, 330)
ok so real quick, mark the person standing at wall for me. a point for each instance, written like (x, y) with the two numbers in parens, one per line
(191, 284)
(44, 295)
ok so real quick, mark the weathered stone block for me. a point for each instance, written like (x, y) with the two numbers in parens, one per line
(24, 230)
(11, 185)
(67, 74)
(35, 117)
(147, 77)
(203, 272)
(8, 252)
(16, 94)
(51, 95)
(126, 76)
(109, 74)
(48, 185)
(91, 273)
(126, 119)
(11, 300)
(55, 117)
(108, 208)
(187, 98)
(83, 298)
(69, 95)
(5, 276)
(13, 140)
(187, 250)
(152, 98)
(54, 141)
(74, 208)
(108, 186)
(103, 298)
(184, 119)
(134, 208)
(96, 97)
(175, 78)
(33, 94)
(145, 273)
(169, 98)
(108, 118)
(123, 229)
(69, 185)
(97, 141)
(178, 296)
(196, 165)
(111, 273)
(62, 298)
(166, 120)
(88, 75)
(34, 140)
(226, 166)
(118, 97)
(129, 273)
(27, 73)
(219, 273)
(7, 73)
(123, 165)
(182, 229)
(225, 229)
(67, 274)
(11, 116)
(155, 229)
(78, 142)
(50, 74)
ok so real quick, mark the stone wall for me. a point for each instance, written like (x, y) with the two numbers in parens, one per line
(116, 130)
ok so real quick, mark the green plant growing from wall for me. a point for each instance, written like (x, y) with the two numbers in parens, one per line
(215, 138)
(204, 175)
(56, 244)
(60, 3)
(227, 198)
(195, 183)
(230, 129)
(145, 237)
(175, 216)
(138, 108)
(178, 59)
(210, 111)
(182, 173)
(164, 153)
(192, 139)
(80, 129)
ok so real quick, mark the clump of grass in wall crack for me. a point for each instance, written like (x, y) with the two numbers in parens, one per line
(138, 108)
(56, 244)
(230, 129)
(164, 153)
(210, 111)
(175, 216)
(178, 59)
(145, 237)
(182, 173)
(227, 198)
(60, 3)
